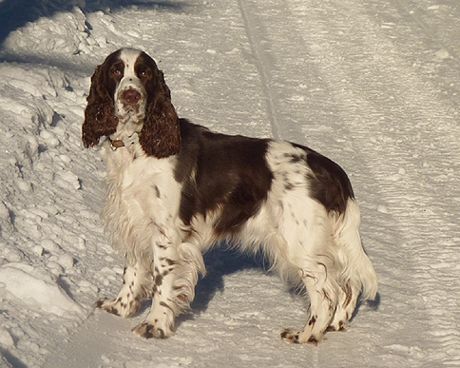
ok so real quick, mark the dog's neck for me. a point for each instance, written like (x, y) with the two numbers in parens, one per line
(127, 126)
(127, 135)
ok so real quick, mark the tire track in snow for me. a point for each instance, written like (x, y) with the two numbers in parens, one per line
(262, 64)
(297, 98)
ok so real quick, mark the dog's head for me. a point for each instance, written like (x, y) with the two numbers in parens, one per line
(127, 88)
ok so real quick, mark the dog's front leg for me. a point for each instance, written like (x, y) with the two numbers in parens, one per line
(137, 283)
(160, 320)
(176, 271)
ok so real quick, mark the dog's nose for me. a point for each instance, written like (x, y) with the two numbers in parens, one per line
(130, 96)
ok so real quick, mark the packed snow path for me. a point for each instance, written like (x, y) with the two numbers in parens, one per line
(374, 86)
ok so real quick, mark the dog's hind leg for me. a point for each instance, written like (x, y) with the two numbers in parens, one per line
(310, 248)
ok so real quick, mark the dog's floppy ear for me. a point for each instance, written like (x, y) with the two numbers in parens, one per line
(100, 119)
(160, 134)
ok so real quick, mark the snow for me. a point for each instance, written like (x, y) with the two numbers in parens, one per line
(374, 85)
(35, 289)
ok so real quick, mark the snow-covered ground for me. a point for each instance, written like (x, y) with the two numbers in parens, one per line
(374, 85)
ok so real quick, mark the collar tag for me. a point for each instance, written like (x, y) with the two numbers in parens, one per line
(127, 142)
(116, 143)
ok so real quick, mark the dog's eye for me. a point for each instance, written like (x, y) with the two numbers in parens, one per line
(144, 73)
(117, 70)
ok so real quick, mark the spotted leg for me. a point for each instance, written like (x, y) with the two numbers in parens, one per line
(346, 305)
(323, 301)
(176, 272)
(136, 285)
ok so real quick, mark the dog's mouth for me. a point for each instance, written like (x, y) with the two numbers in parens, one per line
(131, 120)
(133, 114)
(132, 111)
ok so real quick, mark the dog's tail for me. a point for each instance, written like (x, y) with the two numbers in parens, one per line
(357, 267)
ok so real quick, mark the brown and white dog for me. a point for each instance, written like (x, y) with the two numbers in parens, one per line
(175, 189)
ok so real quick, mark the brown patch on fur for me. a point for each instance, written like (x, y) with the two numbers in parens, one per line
(329, 184)
(158, 280)
(221, 172)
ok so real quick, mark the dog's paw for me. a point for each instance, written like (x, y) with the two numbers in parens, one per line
(108, 305)
(299, 337)
(120, 307)
(291, 336)
(337, 326)
(148, 330)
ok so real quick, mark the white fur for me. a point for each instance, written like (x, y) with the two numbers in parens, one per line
(141, 215)
(130, 118)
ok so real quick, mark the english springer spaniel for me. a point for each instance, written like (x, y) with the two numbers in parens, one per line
(175, 189)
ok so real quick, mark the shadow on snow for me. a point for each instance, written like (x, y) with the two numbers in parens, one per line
(220, 262)
(14, 14)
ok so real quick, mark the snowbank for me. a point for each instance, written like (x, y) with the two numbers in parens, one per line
(36, 290)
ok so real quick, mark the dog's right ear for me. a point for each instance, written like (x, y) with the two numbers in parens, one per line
(100, 119)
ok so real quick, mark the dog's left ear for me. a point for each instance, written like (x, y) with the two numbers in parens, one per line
(160, 134)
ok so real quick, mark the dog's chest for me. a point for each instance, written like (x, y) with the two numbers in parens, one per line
(141, 192)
